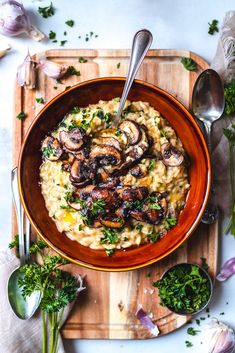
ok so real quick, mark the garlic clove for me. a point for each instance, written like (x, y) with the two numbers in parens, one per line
(26, 73)
(218, 338)
(51, 68)
(4, 48)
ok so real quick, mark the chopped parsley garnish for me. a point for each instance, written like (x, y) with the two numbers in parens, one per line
(117, 133)
(62, 42)
(74, 110)
(162, 133)
(188, 344)
(80, 227)
(63, 124)
(118, 65)
(58, 81)
(117, 99)
(204, 263)
(69, 23)
(65, 33)
(107, 118)
(67, 87)
(229, 94)
(153, 237)
(151, 165)
(139, 227)
(189, 64)
(98, 205)
(191, 331)
(52, 35)
(184, 287)
(48, 152)
(169, 222)
(213, 27)
(129, 109)
(82, 60)
(40, 100)
(198, 322)
(47, 11)
(110, 236)
(72, 125)
(155, 206)
(110, 252)
(21, 116)
(66, 207)
(72, 71)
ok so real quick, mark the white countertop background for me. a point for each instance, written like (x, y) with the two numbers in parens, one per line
(179, 24)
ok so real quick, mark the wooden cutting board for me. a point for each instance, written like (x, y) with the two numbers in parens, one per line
(107, 308)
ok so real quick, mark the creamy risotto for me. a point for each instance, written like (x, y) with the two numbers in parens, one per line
(114, 188)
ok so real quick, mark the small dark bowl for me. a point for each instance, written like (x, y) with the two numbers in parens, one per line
(210, 286)
(91, 92)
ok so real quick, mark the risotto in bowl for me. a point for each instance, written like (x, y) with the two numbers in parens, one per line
(114, 198)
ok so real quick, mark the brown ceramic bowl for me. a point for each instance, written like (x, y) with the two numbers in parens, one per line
(91, 92)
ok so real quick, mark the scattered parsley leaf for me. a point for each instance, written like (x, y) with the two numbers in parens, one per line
(118, 65)
(62, 42)
(169, 222)
(58, 81)
(21, 116)
(65, 33)
(139, 227)
(117, 99)
(188, 344)
(204, 263)
(110, 236)
(191, 331)
(72, 71)
(117, 133)
(74, 110)
(82, 60)
(40, 100)
(151, 165)
(110, 252)
(69, 23)
(153, 237)
(47, 11)
(189, 64)
(52, 35)
(213, 27)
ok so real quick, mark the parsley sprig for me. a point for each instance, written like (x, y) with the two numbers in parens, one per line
(188, 63)
(58, 288)
(229, 133)
(213, 27)
(47, 11)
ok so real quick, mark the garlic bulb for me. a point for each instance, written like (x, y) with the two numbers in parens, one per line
(14, 20)
(51, 68)
(4, 48)
(26, 73)
(218, 338)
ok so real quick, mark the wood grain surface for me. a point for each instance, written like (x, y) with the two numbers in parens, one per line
(107, 308)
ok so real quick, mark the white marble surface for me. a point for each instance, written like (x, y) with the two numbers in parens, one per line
(175, 24)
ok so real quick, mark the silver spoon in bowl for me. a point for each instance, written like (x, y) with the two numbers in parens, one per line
(141, 44)
(23, 308)
(208, 105)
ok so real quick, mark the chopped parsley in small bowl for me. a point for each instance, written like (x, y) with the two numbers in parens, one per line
(185, 288)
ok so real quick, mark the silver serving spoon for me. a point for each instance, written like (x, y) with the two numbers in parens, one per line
(24, 309)
(208, 105)
(141, 44)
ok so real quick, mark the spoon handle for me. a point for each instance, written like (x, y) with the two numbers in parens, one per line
(141, 44)
(19, 214)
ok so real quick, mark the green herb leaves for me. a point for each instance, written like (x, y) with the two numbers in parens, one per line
(188, 63)
(40, 100)
(151, 165)
(184, 287)
(21, 116)
(191, 331)
(229, 94)
(69, 23)
(110, 236)
(47, 11)
(72, 71)
(213, 27)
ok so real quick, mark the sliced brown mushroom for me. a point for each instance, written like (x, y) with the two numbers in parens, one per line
(67, 162)
(133, 194)
(138, 215)
(51, 149)
(112, 221)
(105, 155)
(84, 193)
(107, 141)
(132, 131)
(73, 140)
(138, 172)
(110, 198)
(123, 211)
(109, 183)
(80, 173)
(137, 151)
(171, 156)
(96, 223)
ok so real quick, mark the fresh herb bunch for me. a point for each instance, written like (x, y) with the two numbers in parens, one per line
(229, 94)
(58, 288)
(188, 63)
(230, 135)
(184, 288)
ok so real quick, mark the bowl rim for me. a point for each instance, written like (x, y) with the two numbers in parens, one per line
(199, 215)
(208, 277)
